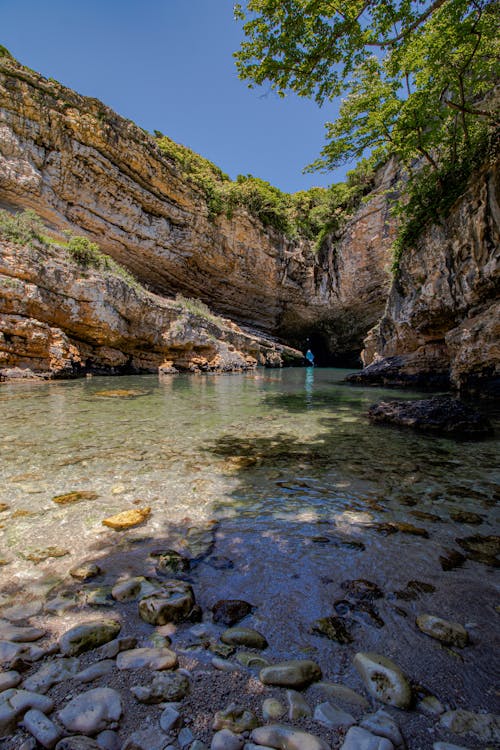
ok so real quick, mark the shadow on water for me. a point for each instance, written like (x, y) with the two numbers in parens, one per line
(307, 509)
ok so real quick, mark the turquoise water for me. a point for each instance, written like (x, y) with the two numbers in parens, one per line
(275, 482)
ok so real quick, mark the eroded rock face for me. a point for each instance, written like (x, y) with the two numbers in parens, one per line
(441, 324)
(58, 320)
(84, 168)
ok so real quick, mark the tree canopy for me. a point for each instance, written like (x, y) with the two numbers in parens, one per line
(417, 77)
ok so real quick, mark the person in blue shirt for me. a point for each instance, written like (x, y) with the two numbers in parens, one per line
(310, 358)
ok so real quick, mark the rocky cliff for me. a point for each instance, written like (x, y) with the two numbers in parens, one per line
(84, 168)
(441, 325)
(60, 320)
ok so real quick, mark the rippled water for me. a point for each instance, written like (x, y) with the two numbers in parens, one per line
(275, 482)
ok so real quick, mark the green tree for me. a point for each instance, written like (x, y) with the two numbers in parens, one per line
(417, 77)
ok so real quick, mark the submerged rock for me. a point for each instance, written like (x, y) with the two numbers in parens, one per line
(74, 497)
(297, 673)
(442, 415)
(483, 549)
(244, 637)
(334, 628)
(383, 679)
(170, 562)
(230, 611)
(362, 589)
(451, 559)
(236, 718)
(85, 572)
(485, 727)
(127, 519)
(174, 602)
(449, 633)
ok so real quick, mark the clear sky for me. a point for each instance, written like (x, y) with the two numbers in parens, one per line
(168, 65)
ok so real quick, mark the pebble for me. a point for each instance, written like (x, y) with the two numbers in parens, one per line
(9, 679)
(146, 739)
(18, 634)
(51, 673)
(149, 658)
(85, 572)
(250, 660)
(111, 649)
(383, 725)
(286, 738)
(383, 679)
(93, 711)
(88, 635)
(296, 673)
(226, 740)
(59, 605)
(78, 742)
(43, 729)
(14, 704)
(95, 671)
(298, 707)
(236, 718)
(165, 686)
(332, 717)
(342, 693)
(248, 637)
(10, 651)
(484, 726)
(170, 719)
(359, 739)
(108, 740)
(449, 633)
(272, 709)
(173, 603)
(185, 737)
(128, 590)
(430, 706)
(22, 612)
(223, 665)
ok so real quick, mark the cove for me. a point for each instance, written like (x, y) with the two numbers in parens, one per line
(279, 492)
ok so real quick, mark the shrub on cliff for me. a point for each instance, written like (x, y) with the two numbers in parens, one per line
(22, 228)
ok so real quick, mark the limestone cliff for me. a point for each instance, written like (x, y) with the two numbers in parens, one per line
(441, 325)
(84, 168)
(60, 320)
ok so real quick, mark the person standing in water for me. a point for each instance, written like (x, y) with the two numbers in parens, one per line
(310, 358)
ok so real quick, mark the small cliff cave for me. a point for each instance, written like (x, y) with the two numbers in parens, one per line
(322, 344)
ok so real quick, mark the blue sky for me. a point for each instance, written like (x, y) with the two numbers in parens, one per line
(168, 65)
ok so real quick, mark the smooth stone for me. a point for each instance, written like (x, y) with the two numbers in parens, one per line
(170, 719)
(128, 590)
(253, 746)
(173, 603)
(226, 740)
(43, 729)
(146, 739)
(78, 742)
(244, 637)
(236, 718)
(93, 711)
(383, 679)
(223, 665)
(112, 648)
(383, 725)
(449, 633)
(250, 660)
(74, 497)
(359, 739)
(14, 704)
(59, 605)
(22, 612)
(342, 693)
(51, 673)
(297, 673)
(221, 649)
(332, 717)
(95, 671)
(272, 709)
(198, 745)
(230, 611)
(149, 658)
(185, 737)
(87, 636)
(298, 707)
(127, 519)
(18, 634)
(108, 740)
(484, 726)
(286, 738)
(85, 572)
(447, 746)
(10, 651)
(165, 686)
(29, 744)
(9, 680)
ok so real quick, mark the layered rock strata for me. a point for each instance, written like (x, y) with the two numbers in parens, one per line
(59, 320)
(84, 168)
(441, 325)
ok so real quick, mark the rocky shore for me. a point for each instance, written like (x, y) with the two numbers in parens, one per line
(140, 665)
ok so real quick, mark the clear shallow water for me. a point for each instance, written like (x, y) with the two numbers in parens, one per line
(274, 480)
